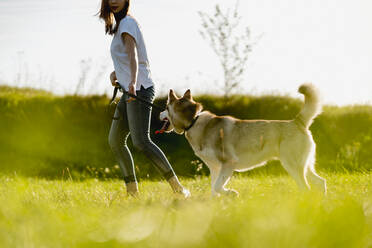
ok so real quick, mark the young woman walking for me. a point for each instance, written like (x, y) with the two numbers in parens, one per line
(132, 72)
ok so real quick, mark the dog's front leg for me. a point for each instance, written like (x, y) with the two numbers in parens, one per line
(215, 170)
(222, 179)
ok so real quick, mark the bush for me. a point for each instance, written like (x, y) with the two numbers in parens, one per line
(42, 134)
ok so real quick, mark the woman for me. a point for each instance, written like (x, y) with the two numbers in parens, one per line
(132, 117)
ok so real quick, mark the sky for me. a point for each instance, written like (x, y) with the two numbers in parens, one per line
(326, 42)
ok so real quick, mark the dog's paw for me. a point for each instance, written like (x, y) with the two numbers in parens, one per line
(226, 192)
(215, 194)
(231, 192)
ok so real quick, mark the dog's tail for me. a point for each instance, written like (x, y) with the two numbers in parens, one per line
(312, 106)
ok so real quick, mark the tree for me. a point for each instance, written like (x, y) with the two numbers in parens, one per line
(232, 46)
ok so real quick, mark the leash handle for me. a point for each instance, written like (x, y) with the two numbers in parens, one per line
(142, 100)
(118, 87)
(114, 95)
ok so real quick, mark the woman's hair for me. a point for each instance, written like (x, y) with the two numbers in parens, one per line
(108, 16)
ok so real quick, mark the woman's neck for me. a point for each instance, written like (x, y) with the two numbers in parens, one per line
(120, 15)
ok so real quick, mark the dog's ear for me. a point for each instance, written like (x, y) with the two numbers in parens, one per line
(171, 96)
(187, 94)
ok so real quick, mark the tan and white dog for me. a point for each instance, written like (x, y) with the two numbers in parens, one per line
(226, 144)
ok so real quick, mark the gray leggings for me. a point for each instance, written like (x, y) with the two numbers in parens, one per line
(134, 118)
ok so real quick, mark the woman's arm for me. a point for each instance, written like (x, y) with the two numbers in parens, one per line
(130, 47)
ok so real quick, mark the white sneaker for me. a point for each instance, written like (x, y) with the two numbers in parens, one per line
(185, 192)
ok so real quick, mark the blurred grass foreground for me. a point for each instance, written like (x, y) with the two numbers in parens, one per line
(54, 137)
(270, 212)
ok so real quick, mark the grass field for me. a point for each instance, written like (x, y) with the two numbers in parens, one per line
(60, 186)
(270, 212)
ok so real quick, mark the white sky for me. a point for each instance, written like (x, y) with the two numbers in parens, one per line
(327, 42)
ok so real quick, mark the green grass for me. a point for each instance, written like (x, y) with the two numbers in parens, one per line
(41, 135)
(270, 212)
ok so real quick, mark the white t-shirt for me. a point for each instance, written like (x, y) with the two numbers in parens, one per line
(120, 57)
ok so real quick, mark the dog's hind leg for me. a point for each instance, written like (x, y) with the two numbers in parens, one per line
(294, 162)
(296, 171)
(294, 154)
(315, 180)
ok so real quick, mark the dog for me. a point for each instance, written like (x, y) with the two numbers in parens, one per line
(227, 144)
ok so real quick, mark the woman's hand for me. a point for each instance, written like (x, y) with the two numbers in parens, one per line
(132, 90)
(113, 79)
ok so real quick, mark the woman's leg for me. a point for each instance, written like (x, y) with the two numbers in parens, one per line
(118, 136)
(139, 125)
